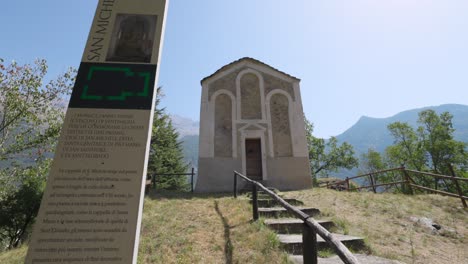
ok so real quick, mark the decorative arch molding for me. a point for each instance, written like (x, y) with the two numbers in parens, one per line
(233, 119)
(290, 120)
(239, 98)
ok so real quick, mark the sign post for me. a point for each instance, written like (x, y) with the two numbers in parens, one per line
(92, 205)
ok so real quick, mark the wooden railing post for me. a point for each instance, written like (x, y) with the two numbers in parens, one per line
(254, 202)
(460, 193)
(408, 182)
(235, 185)
(309, 245)
(193, 173)
(347, 184)
(371, 177)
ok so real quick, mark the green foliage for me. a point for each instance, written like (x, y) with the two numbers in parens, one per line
(407, 150)
(436, 137)
(31, 115)
(373, 161)
(328, 156)
(20, 201)
(166, 154)
(431, 147)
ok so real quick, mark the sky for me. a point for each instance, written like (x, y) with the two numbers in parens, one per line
(354, 57)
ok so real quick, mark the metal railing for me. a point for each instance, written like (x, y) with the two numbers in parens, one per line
(152, 180)
(310, 227)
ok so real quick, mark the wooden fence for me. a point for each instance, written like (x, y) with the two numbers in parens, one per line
(406, 182)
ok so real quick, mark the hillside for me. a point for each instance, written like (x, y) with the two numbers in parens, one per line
(371, 132)
(367, 133)
(185, 228)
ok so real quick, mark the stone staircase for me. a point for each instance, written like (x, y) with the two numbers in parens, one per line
(289, 231)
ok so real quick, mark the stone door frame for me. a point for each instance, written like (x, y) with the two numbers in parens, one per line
(258, 133)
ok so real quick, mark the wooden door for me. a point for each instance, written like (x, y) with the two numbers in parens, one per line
(253, 159)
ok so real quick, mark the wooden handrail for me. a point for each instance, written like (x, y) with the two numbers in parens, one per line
(438, 191)
(375, 172)
(438, 175)
(408, 181)
(378, 185)
(342, 251)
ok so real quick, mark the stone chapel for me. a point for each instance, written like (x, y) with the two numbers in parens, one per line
(251, 121)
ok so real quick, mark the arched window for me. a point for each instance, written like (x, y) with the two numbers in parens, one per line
(250, 97)
(223, 126)
(280, 125)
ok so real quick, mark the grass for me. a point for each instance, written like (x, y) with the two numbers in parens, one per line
(383, 221)
(181, 228)
(185, 228)
(215, 228)
(15, 256)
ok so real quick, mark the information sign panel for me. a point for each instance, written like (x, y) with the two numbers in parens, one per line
(92, 205)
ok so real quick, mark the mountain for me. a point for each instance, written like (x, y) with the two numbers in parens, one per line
(371, 132)
(367, 133)
(188, 130)
(190, 149)
(185, 126)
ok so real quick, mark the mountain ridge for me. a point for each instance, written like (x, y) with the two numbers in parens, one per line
(367, 132)
(370, 132)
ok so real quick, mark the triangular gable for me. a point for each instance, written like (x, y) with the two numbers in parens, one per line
(249, 63)
(252, 127)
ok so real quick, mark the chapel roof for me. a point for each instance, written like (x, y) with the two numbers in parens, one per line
(246, 59)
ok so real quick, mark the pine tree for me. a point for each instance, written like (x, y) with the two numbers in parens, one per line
(166, 154)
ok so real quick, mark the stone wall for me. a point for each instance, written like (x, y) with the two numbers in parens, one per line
(281, 130)
(223, 126)
(250, 97)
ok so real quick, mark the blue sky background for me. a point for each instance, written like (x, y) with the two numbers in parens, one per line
(354, 57)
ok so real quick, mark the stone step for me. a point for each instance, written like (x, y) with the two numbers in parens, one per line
(263, 196)
(247, 187)
(297, 259)
(273, 203)
(293, 225)
(276, 212)
(293, 243)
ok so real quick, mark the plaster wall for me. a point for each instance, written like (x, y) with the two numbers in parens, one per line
(289, 173)
(216, 174)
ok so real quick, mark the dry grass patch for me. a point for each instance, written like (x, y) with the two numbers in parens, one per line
(185, 228)
(15, 256)
(384, 221)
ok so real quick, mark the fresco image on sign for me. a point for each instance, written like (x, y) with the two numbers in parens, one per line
(132, 39)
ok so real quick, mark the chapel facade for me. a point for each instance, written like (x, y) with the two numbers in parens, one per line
(251, 121)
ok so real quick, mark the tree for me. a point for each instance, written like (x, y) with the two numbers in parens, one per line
(166, 154)
(407, 149)
(374, 161)
(436, 135)
(431, 147)
(31, 117)
(371, 161)
(20, 205)
(328, 156)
